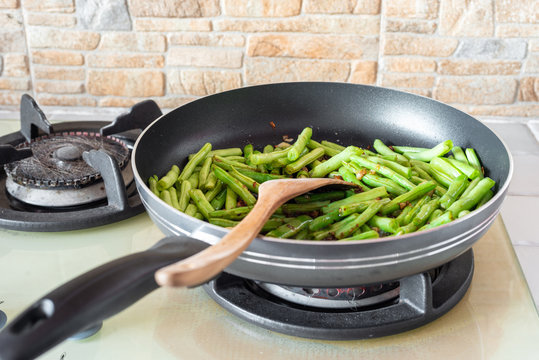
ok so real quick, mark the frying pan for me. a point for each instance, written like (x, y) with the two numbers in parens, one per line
(344, 113)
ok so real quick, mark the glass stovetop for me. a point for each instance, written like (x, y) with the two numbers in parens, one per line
(495, 320)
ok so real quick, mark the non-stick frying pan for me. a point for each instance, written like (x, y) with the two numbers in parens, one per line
(343, 113)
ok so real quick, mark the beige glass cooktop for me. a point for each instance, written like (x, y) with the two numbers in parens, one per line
(495, 320)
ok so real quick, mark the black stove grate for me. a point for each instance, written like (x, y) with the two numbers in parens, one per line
(421, 300)
(121, 201)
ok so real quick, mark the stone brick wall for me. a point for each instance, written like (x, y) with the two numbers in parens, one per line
(479, 55)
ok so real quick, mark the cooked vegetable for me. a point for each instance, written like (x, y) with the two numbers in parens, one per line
(400, 189)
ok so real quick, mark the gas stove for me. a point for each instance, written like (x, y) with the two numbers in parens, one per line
(70, 175)
(238, 318)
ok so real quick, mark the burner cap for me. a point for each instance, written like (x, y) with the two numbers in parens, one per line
(58, 163)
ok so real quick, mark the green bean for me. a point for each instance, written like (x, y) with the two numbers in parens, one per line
(436, 213)
(199, 216)
(235, 185)
(191, 209)
(413, 194)
(371, 234)
(376, 181)
(152, 182)
(169, 179)
(184, 197)
(404, 212)
(266, 158)
(211, 181)
(223, 222)
(444, 166)
(440, 177)
(173, 197)
(302, 174)
(247, 151)
(210, 194)
(399, 159)
(231, 214)
(463, 213)
(445, 218)
(427, 155)
(406, 229)
(221, 152)
(313, 197)
(474, 160)
(383, 149)
(324, 220)
(300, 144)
(389, 225)
(456, 188)
(470, 171)
(459, 154)
(202, 204)
(231, 199)
(425, 212)
(375, 193)
(195, 160)
(304, 160)
(226, 164)
(204, 172)
(165, 196)
(365, 216)
(398, 168)
(473, 198)
(290, 208)
(245, 180)
(332, 145)
(349, 176)
(329, 151)
(409, 149)
(258, 176)
(422, 173)
(303, 234)
(335, 162)
(193, 179)
(292, 228)
(219, 200)
(383, 170)
(485, 198)
(416, 209)
(469, 188)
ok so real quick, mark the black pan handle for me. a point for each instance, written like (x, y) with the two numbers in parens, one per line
(90, 298)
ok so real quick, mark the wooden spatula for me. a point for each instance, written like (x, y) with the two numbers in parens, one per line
(206, 264)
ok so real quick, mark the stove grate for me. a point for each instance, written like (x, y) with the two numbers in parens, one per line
(421, 299)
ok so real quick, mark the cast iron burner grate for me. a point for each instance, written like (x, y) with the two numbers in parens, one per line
(121, 199)
(421, 299)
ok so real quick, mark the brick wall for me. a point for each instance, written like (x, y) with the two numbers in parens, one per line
(479, 55)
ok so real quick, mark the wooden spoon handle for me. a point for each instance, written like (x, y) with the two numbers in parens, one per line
(208, 263)
(205, 265)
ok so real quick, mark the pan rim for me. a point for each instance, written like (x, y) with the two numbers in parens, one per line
(499, 194)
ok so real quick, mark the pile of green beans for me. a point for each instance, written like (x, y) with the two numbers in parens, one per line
(400, 189)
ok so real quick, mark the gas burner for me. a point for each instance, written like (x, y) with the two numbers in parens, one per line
(383, 309)
(57, 164)
(334, 298)
(70, 175)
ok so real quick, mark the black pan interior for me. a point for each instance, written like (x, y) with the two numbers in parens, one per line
(344, 113)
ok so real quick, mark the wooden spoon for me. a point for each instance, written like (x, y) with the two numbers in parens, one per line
(206, 264)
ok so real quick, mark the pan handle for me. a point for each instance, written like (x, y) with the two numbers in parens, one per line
(87, 300)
